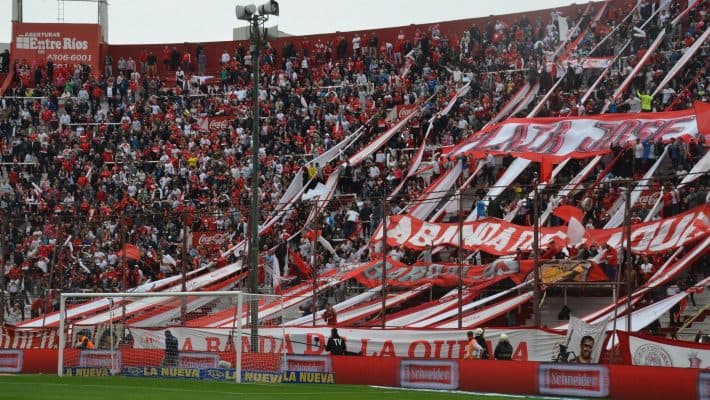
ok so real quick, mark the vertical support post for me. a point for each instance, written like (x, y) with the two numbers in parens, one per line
(238, 339)
(617, 283)
(256, 42)
(183, 265)
(629, 264)
(536, 256)
(62, 335)
(124, 263)
(384, 258)
(16, 10)
(3, 256)
(314, 272)
(283, 334)
(460, 257)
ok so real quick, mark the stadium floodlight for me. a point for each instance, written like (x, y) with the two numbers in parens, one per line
(246, 12)
(270, 8)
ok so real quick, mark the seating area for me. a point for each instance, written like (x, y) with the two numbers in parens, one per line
(105, 176)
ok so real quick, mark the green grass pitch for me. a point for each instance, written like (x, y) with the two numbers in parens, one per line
(39, 387)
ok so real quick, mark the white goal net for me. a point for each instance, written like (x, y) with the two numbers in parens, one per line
(193, 335)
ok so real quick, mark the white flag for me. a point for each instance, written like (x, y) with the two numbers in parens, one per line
(326, 244)
(575, 231)
(275, 272)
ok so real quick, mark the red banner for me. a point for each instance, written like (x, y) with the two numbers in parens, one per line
(440, 274)
(64, 44)
(499, 237)
(11, 338)
(210, 238)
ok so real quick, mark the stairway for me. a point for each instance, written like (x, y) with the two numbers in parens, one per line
(580, 307)
(701, 323)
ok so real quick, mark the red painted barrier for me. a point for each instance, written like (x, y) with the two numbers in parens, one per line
(632, 382)
(382, 371)
(511, 377)
(39, 361)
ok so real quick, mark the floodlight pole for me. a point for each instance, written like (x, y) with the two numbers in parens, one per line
(257, 40)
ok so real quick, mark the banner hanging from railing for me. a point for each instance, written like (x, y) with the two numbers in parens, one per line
(499, 237)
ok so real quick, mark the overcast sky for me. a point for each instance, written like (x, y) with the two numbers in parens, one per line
(164, 21)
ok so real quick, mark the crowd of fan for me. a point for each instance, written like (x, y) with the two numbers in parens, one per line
(92, 163)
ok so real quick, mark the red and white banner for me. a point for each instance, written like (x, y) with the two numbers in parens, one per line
(64, 44)
(528, 344)
(440, 274)
(577, 136)
(511, 104)
(427, 374)
(662, 352)
(689, 53)
(210, 238)
(11, 361)
(210, 124)
(11, 338)
(644, 59)
(573, 380)
(379, 141)
(590, 62)
(499, 237)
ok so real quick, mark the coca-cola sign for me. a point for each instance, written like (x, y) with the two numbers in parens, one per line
(209, 238)
(404, 111)
(211, 124)
(218, 123)
(648, 199)
(573, 380)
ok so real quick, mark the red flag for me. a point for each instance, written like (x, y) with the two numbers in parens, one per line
(702, 116)
(131, 252)
(545, 170)
(567, 212)
(313, 234)
(300, 265)
(596, 274)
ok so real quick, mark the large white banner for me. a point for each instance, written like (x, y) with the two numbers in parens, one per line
(666, 353)
(528, 344)
(563, 136)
